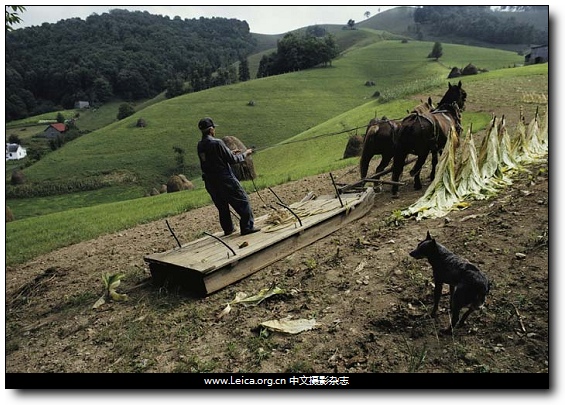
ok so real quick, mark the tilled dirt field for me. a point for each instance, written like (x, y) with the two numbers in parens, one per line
(371, 300)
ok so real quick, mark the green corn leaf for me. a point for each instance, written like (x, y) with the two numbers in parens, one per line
(111, 283)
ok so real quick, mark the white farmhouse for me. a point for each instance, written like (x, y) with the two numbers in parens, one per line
(15, 151)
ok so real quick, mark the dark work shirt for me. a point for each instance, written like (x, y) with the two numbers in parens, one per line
(215, 158)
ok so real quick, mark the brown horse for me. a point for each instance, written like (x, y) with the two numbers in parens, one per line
(380, 138)
(421, 135)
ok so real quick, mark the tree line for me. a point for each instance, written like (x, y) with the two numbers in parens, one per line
(298, 52)
(481, 23)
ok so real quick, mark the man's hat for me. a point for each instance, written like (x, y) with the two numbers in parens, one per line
(206, 123)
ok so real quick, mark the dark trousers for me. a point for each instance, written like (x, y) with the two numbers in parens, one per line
(226, 192)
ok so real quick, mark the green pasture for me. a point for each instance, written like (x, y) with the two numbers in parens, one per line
(30, 237)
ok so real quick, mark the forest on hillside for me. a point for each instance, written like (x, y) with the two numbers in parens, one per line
(482, 23)
(123, 54)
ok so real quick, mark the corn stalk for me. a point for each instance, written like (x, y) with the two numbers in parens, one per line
(480, 176)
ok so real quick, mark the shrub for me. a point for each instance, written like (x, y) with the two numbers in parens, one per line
(125, 110)
(48, 188)
(13, 138)
(436, 52)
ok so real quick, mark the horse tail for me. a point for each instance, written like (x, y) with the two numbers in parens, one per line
(401, 150)
(369, 149)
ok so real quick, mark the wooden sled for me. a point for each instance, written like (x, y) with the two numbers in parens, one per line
(213, 262)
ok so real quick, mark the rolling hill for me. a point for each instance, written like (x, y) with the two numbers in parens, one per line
(400, 21)
(285, 106)
(301, 123)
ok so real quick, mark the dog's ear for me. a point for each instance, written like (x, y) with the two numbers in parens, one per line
(428, 236)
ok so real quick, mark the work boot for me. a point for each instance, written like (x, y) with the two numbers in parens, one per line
(248, 231)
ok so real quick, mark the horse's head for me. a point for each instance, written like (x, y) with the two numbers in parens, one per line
(455, 93)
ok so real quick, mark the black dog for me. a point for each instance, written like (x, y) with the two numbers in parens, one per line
(468, 286)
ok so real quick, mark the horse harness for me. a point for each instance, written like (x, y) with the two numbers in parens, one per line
(391, 123)
(436, 130)
(456, 117)
(418, 116)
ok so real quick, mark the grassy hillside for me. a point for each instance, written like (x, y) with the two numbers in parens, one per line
(317, 150)
(285, 106)
(395, 20)
(346, 40)
(87, 119)
(398, 19)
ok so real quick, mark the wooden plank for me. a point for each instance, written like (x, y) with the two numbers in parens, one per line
(283, 247)
(206, 253)
(204, 266)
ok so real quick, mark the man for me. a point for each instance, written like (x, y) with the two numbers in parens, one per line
(220, 181)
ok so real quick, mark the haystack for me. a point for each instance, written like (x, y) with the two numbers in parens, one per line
(18, 177)
(178, 183)
(470, 69)
(354, 146)
(244, 170)
(455, 72)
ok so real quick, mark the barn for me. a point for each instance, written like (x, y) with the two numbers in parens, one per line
(54, 129)
(537, 54)
(82, 104)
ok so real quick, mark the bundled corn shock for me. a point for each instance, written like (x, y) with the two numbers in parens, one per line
(465, 175)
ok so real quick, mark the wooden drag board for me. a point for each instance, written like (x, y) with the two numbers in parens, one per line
(205, 265)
